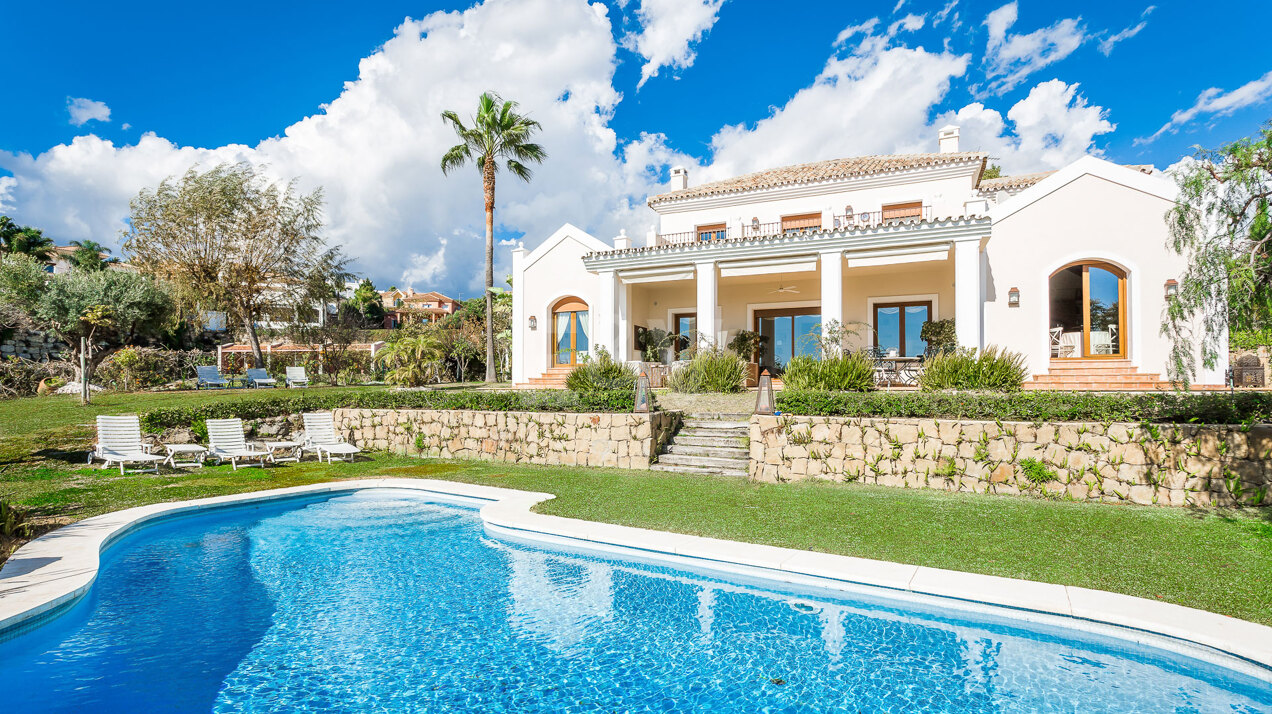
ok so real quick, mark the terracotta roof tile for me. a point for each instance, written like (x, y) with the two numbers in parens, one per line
(1019, 181)
(819, 171)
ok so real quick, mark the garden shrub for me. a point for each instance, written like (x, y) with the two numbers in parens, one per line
(851, 372)
(940, 336)
(1038, 407)
(601, 374)
(290, 402)
(143, 367)
(710, 370)
(990, 369)
(21, 377)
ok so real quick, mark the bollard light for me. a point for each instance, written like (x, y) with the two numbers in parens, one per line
(642, 394)
(764, 394)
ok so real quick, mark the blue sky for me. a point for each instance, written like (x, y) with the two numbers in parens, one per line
(120, 96)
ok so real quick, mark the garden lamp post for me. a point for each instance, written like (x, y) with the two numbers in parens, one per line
(764, 394)
(642, 394)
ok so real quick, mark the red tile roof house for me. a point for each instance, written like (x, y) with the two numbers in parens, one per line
(1069, 267)
(405, 306)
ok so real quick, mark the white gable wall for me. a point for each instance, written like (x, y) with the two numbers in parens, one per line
(1091, 210)
(552, 271)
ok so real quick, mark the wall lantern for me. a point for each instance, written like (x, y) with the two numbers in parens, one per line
(755, 223)
(642, 394)
(1172, 288)
(1013, 297)
(534, 322)
(764, 394)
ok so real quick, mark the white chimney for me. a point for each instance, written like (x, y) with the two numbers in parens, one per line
(679, 178)
(621, 241)
(948, 139)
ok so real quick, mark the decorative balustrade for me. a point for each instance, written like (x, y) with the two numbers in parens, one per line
(756, 229)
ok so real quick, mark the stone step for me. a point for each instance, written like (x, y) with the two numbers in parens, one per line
(703, 432)
(705, 470)
(718, 416)
(704, 461)
(687, 439)
(715, 424)
(725, 452)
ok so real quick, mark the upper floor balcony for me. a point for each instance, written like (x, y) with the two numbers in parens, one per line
(799, 223)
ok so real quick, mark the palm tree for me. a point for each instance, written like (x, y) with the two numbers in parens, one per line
(88, 255)
(498, 132)
(25, 239)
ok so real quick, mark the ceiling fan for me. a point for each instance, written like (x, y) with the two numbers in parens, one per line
(784, 288)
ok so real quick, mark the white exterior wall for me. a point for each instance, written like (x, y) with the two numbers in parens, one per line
(1088, 218)
(552, 271)
(945, 194)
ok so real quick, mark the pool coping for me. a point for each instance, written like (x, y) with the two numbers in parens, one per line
(53, 571)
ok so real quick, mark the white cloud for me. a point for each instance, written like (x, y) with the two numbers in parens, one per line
(1050, 127)
(1217, 103)
(669, 30)
(1010, 58)
(375, 148)
(1106, 45)
(871, 43)
(84, 110)
(944, 12)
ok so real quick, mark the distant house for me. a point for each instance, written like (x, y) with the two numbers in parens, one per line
(61, 262)
(403, 307)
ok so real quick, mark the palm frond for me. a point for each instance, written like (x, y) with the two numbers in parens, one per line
(455, 158)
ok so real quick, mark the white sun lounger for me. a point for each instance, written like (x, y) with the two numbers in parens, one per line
(296, 377)
(320, 437)
(226, 442)
(119, 442)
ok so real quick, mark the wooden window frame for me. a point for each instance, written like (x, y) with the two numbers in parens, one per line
(676, 347)
(720, 228)
(874, 320)
(797, 222)
(901, 211)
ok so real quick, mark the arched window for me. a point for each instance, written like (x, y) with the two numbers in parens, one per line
(569, 331)
(1088, 311)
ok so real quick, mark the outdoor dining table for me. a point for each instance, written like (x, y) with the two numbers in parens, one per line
(901, 370)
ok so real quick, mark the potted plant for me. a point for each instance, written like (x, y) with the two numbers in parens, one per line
(747, 344)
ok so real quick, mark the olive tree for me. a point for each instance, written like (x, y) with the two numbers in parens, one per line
(1221, 224)
(232, 239)
(98, 313)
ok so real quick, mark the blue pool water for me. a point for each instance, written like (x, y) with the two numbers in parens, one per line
(386, 601)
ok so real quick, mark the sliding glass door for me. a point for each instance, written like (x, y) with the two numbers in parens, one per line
(790, 332)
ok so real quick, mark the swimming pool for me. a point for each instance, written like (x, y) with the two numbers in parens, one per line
(393, 600)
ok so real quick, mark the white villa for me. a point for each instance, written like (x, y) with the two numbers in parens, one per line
(1069, 268)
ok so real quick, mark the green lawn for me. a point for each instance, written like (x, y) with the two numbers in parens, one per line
(1213, 559)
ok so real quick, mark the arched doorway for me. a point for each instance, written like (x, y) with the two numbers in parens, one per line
(569, 331)
(1087, 317)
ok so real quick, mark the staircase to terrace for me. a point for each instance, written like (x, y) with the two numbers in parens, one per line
(1097, 375)
(709, 444)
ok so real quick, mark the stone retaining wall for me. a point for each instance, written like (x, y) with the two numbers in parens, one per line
(279, 428)
(33, 345)
(618, 440)
(1152, 464)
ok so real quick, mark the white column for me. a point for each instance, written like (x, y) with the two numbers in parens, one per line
(967, 293)
(604, 316)
(832, 288)
(520, 316)
(624, 322)
(707, 302)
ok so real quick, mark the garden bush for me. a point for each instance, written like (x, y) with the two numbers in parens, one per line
(601, 374)
(710, 370)
(846, 372)
(21, 377)
(940, 336)
(143, 367)
(1038, 407)
(292, 403)
(990, 369)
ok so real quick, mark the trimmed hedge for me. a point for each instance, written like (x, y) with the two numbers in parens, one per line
(1159, 407)
(271, 406)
